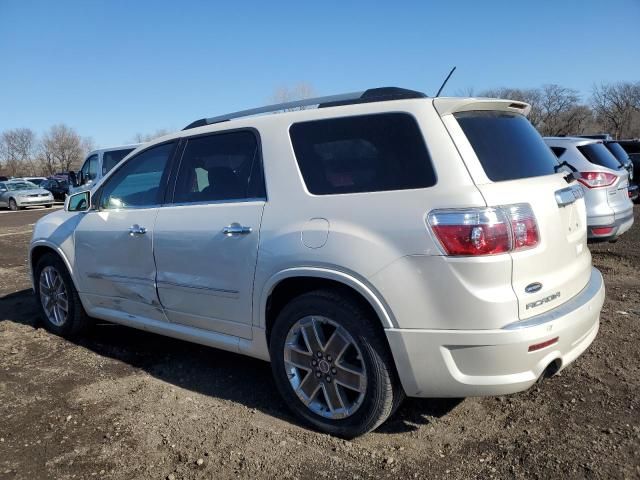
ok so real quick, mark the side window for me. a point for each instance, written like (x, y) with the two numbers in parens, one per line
(223, 166)
(90, 168)
(137, 183)
(558, 151)
(367, 153)
(111, 159)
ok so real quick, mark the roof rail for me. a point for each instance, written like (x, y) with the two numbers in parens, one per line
(367, 96)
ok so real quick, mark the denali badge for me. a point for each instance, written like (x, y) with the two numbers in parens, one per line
(533, 287)
(537, 303)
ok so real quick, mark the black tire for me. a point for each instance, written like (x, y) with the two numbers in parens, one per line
(13, 206)
(77, 321)
(383, 393)
(48, 206)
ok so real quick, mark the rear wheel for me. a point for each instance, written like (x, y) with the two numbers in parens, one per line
(331, 365)
(13, 205)
(58, 301)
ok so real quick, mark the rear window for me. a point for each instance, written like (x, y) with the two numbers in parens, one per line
(507, 145)
(597, 153)
(111, 159)
(618, 152)
(368, 153)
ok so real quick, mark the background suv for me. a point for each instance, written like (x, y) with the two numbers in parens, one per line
(605, 184)
(382, 244)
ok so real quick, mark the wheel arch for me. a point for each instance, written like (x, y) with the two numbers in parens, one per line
(38, 250)
(292, 282)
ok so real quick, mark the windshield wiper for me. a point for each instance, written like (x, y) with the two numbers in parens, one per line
(574, 175)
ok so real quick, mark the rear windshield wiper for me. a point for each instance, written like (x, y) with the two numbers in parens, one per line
(574, 175)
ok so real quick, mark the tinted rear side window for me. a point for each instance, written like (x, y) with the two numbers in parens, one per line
(618, 152)
(507, 145)
(368, 153)
(597, 153)
(111, 159)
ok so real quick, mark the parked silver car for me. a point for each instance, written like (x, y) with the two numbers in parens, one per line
(17, 194)
(605, 183)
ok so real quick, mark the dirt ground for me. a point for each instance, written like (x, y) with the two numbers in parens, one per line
(124, 404)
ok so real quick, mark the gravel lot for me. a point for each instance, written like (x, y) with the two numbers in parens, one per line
(127, 404)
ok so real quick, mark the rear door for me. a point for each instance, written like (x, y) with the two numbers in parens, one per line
(206, 239)
(510, 165)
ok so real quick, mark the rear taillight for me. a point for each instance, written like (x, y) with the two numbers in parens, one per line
(485, 231)
(523, 225)
(596, 179)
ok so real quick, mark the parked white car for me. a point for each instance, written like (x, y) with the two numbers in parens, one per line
(382, 244)
(97, 164)
(605, 184)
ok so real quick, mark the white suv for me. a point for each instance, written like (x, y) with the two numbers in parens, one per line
(382, 244)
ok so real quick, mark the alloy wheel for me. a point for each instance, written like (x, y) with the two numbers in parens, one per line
(325, 367)
(53, 296)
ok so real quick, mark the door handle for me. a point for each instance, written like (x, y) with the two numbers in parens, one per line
(137, 230)
(236, 229)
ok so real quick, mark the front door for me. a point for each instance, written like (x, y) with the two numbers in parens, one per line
(114, 242)
(206, 240)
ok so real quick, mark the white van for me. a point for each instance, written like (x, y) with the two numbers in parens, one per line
(97, 164)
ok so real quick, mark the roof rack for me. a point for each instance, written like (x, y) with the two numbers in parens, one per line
(366, 96)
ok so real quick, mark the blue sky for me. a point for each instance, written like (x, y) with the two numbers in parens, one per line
(111, 69)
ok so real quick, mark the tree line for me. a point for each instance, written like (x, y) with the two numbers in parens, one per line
(59, 149)
(555, 110)
(612, 108)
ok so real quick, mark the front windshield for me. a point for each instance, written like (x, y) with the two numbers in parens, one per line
(13, 186)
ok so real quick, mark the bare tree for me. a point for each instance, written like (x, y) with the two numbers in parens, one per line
(561, 112)
(63, 149)
(17, 150)
(143, 138)
(616, 106)
(300, 91)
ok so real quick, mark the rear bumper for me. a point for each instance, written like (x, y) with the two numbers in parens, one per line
(609, 228)
(462, 363)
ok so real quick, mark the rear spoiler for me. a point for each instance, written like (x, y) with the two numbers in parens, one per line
(447, 106)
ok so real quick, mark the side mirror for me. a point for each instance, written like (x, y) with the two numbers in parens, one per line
(78, 202)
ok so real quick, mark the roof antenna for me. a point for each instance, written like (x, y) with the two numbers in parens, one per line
(445, 81)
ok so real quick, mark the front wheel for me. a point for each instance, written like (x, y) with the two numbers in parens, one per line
(58, 300)
(332, 366)
(13, 205)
